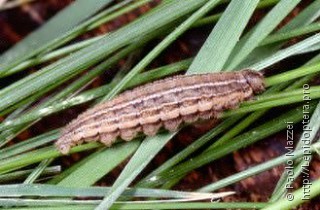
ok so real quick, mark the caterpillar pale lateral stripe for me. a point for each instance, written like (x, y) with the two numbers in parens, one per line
(164, 103)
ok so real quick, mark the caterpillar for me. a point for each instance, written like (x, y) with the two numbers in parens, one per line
(164, 103)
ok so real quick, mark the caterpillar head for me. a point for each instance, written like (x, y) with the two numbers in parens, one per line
(255, 79)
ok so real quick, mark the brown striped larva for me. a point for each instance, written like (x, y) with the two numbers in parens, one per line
(167, 102)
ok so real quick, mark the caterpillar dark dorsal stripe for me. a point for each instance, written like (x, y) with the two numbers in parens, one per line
(167, 102)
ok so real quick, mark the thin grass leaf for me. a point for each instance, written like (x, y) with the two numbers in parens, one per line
(89, 24)
(29, 144)
(285, 53)
(38, 40)
(123, 7)
(51, 55)
(45, 190)
(85, 205)
(276, 96)
(218, 46)
(14, 176)
(311, 49)
(214, 18)
(58, 202)
(307, 16)
(293, 74)
(252, 39)
(145, 153)
(304, 18)
(38, 171)
(291, 34)
(29, 158)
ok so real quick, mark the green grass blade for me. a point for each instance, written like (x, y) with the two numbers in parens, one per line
(226, 33)
(45, 190)
(259, 32)
(293, 74)
(91, 204)
(50, 56)
(38, 155)
(37, 41)
(16, 175)
(38, 171)
(209, 20)
(285, 53)
(157, 50)
(304, 18)
(274, 38)
(307, 16)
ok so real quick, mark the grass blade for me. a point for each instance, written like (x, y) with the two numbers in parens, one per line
(37, 41)
(45, 190)
(226, 33)
(259, 32)
(285, 53)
